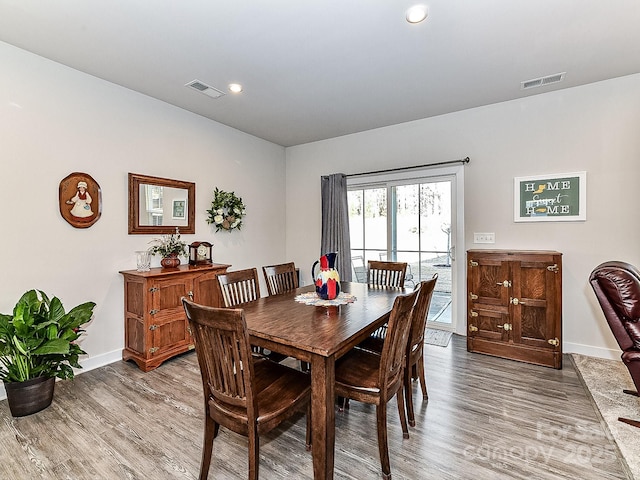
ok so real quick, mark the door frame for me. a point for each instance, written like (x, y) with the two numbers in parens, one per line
(455, 173)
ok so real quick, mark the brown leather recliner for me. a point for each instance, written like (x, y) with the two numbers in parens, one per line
(617, 287)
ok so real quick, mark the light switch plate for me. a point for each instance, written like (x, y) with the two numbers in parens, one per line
(484, 237)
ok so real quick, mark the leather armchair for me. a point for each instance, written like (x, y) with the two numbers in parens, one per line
(617, 287)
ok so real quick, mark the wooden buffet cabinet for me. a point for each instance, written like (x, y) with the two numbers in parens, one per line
(155, 325)
(514, 305)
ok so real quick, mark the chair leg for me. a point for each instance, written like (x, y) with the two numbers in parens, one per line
(383, 449)
(423, 381)
(634, 423)
(408, 390)
(308, 436)
(210, 432)
(254, 453)
(403, 416)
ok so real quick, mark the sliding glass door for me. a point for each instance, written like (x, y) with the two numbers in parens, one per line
(407, 221)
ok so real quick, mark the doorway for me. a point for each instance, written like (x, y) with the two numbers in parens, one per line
(409, 220)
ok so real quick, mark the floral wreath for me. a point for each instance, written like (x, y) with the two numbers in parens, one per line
(226, 211)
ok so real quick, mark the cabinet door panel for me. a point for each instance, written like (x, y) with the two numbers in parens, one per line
(491, 324)
(169, 335)
(533, 286)
(169, 293)
(487, 281)
(205, 289)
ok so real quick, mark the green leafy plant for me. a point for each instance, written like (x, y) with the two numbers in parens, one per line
(169, 244)
(38, 340)
(226, 211)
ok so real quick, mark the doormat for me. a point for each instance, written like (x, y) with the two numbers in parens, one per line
(439, 338)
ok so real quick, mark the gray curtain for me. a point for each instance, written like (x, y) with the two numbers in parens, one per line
(335, 222)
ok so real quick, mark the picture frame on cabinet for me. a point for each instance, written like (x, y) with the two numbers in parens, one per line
(550, 198)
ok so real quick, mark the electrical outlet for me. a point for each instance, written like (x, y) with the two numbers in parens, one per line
(484, 237)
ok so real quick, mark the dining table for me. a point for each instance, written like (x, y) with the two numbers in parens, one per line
(319, 335)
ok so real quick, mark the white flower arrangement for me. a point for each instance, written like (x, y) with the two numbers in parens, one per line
(226, 211)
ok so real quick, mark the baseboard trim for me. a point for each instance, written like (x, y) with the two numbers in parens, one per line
(591, 351)
(88, 364)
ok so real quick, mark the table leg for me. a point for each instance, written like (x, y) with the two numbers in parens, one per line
(323, 418)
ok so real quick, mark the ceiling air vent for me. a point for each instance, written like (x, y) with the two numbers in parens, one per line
(539, 82)
(204, 88)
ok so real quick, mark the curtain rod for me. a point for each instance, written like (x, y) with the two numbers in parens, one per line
(390, 170)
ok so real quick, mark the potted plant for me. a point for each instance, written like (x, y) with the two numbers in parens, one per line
(170, 247)
(37, 344)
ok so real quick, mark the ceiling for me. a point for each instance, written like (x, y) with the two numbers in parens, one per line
(313, 70)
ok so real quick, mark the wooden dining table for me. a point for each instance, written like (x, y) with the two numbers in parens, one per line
(319, 335)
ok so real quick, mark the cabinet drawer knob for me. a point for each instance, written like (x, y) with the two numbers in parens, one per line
(505, 284)
(190, 294)
(473, 328)
(153, 312)
(473, 313)
(473, 296)
(506, 327)
(554, 341)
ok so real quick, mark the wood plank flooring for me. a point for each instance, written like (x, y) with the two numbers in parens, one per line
(486, 418)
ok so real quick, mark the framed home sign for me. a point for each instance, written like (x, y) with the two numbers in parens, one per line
(551, 198)
(179, 210)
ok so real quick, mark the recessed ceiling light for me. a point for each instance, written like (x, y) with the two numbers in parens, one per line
(235, 87)
(417, 13)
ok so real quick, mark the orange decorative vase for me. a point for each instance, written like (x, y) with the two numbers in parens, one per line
(170, 261)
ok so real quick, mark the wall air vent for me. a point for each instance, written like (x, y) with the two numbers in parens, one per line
(204, 88)
(539, 82)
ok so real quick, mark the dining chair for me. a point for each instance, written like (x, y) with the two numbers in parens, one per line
(246, 394)
(238, 287)
(280, 278)
(414, 368)
(386, 274)
(375, 379)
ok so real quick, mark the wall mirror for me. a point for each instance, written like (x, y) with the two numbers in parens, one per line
(159, 205)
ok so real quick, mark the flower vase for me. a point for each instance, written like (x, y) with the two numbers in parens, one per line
(170, 261)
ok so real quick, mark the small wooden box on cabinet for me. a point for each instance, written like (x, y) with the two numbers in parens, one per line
(514, 305)
(155, 325)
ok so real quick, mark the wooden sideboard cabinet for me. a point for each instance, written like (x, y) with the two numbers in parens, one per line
(155, 325)
(514, 305)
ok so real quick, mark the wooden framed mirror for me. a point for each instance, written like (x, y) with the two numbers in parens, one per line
(159, 205)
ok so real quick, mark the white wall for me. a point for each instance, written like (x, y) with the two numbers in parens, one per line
(592, 128)
(54, 121)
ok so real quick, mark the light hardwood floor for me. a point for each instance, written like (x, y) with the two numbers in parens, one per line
(486, 418)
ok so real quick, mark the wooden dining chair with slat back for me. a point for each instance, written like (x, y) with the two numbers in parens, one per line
(375, 379)
(239, 287)
(414, 368)
(280, 278)
(385, 274)
(246, 394)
